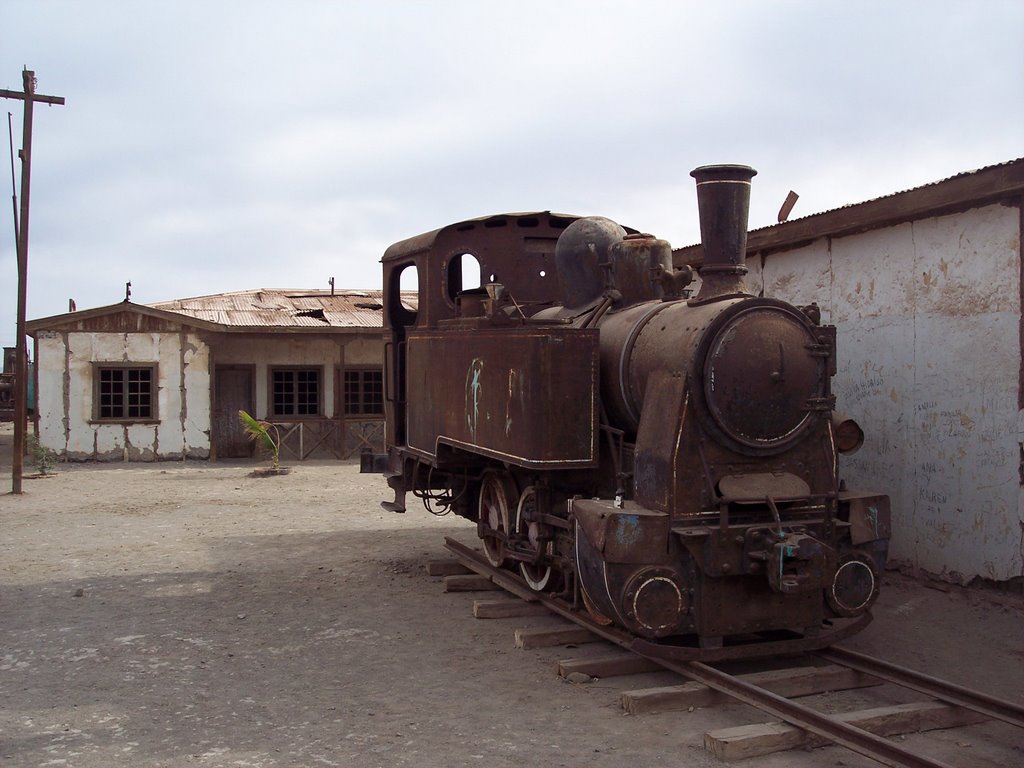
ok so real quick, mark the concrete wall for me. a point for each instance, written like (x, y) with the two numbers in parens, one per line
(65, 399)
(928, 316)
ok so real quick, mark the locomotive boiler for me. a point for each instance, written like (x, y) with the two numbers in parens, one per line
(662, 458)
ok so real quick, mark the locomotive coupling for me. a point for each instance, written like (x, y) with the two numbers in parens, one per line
(799, 563)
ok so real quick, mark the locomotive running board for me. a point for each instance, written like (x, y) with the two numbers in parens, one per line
(514, 584)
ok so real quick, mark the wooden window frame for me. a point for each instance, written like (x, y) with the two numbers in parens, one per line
(343, 392)
(272, 414)
(153, 416)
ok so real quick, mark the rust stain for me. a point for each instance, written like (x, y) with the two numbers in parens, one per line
(893, 396)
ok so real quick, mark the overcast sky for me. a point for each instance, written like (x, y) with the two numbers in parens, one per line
(217, 146)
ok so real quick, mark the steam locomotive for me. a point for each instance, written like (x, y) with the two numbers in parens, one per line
(664, 459)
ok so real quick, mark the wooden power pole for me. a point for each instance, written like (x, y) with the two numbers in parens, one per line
(30, 97)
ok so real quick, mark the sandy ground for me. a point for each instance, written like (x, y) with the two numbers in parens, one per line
(189, 614)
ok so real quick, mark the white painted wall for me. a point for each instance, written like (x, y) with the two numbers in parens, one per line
(928, 316)
(65, 399)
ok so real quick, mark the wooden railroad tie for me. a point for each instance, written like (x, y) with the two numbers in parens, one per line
(607, 666)
(507, 609)
(445, 568)
(529, 639)
(753, 740)
(798, 681)
(468, 583)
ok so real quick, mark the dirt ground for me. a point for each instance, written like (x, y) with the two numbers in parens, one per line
(182, 614)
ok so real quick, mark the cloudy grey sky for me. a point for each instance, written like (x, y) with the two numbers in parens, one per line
(216, 146)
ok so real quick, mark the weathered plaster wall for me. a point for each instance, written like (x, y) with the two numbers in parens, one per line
(65, 361)
(365, 350)
(928, 316)
(296, 350)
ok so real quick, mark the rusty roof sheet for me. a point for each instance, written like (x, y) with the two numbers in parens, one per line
(962, 175)
(298, 308)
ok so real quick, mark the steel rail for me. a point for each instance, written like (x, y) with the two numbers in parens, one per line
(990, 706)
(849, 736)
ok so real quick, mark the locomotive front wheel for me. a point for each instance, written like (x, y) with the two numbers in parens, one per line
(497, 495)
(537, 575)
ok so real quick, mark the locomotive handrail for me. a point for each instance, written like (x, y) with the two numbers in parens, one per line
(389, 395)
(387, 378)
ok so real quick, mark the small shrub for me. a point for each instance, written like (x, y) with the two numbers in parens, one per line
(42, 457)
(265, 434)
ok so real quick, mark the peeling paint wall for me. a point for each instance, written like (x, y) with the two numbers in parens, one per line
(65, 363)
(928, 316)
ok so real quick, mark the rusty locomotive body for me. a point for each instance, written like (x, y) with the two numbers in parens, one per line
(666, 462)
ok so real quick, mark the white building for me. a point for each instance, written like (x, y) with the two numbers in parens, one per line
(129, 382)
(925, 289)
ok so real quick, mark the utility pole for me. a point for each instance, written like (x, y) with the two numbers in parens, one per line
(29, 97)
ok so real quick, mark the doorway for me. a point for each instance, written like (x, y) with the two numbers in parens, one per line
(233, 391)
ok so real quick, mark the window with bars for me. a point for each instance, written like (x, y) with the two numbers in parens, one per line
(295, 391)
(125, 393)
(364, 392)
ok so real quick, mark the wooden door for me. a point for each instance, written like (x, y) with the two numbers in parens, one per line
(232, 392)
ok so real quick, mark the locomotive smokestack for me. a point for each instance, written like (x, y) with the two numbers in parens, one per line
(723, 202)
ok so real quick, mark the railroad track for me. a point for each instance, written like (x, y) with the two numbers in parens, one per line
(752, 690)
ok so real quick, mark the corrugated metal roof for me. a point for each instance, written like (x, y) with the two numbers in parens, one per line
(964, 174)
(277, 308)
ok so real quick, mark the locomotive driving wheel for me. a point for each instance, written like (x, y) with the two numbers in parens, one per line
(497, 496)
(527, 525)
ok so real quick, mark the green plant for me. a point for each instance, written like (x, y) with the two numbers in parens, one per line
(42, 457)
(260, 433)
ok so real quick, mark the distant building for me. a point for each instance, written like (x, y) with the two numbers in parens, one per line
(925, 289)
(132, 382)
(7, 381)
